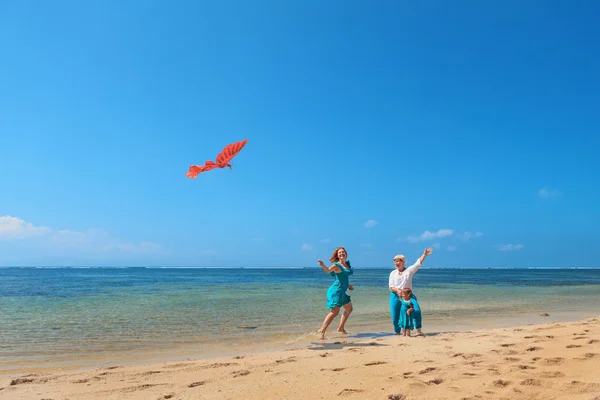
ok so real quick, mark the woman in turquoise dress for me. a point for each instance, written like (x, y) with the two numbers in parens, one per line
(336, 294)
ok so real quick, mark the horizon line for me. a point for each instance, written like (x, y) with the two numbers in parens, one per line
(276, 267)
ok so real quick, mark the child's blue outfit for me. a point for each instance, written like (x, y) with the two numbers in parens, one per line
(399, 312)
(407, 321)
(336, 294)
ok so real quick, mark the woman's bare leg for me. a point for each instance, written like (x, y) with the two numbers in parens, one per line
(344, 318)
(328, 318)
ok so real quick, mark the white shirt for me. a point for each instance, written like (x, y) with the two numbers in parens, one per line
(402, 280)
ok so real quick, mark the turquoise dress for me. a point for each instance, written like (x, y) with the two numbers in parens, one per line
(336, 294)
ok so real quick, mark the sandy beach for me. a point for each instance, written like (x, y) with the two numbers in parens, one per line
(549, 361)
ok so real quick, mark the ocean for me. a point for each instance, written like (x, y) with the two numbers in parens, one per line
(99, 316)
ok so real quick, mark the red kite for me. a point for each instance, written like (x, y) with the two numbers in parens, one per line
(223, 159)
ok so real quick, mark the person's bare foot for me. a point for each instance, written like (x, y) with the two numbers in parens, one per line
(321, 334)
(341, 330)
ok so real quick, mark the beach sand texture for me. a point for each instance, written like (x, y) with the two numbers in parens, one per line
(552, 361)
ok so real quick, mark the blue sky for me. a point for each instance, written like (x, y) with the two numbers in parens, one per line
(385, 127)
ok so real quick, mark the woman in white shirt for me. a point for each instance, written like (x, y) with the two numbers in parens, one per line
(401, 278)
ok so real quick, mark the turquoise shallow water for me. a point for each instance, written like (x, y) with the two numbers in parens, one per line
(49, 315)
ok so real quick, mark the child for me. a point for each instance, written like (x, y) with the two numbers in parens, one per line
(406, 321)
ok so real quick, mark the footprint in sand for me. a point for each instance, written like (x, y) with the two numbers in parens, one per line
(398, 396)
(355, 349)
(349, 391)
(552, 361)
(27, 379)
(426, 370)
(435, 381)
(531, 382)
(333, 369)
(524, 367)
(180, 365)
(375, 363)
(552, 374)
(507, 344)
(469, 374)
(217, 365)
(136, 388)
(147, 373)
(243, 372)
(473, 363)
(573, 346)
(286, 360)
(512, 359)
(593, 341)
(501, 383)
(194, 384)
(534, 348)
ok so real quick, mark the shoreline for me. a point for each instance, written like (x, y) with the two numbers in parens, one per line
(289, 341)
(551, 360)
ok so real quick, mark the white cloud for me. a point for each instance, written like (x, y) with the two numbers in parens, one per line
(466, 236)
(451, 248)
(427, 235)
(546, 193)
(370, 223)
(90, 241)
(12, 228)
(509, 247)
(325, 241)
(306, 246)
